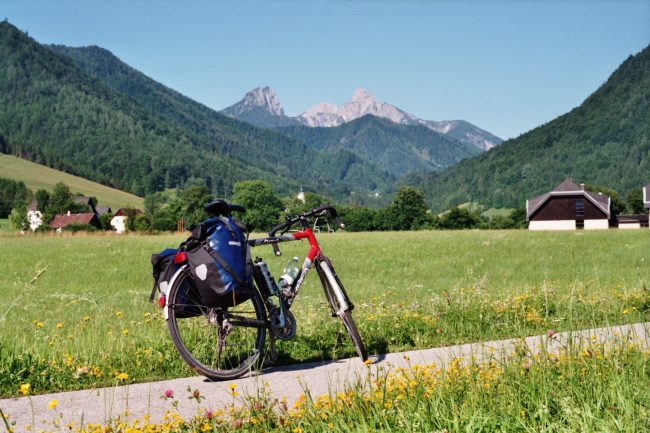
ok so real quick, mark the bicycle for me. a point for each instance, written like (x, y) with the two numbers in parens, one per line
(240, 331)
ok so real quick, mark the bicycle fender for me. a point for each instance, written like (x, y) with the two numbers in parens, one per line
(169, 286)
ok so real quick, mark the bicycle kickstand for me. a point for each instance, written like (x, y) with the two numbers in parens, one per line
(272, 357)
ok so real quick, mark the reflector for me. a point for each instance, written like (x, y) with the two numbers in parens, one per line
(180, 258)
(161, 301)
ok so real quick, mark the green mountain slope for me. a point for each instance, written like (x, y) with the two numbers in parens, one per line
(268, 150)
(37, 176)
(54, 114)
(604, 141)
(398, 149)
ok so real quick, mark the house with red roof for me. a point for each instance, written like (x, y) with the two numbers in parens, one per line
(568, 207)
(62, 221)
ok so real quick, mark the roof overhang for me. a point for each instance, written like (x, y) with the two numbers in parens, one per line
(585, 194)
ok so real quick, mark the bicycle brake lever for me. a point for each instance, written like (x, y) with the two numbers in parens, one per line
(276, 250)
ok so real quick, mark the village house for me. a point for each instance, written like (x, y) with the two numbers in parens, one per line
(88, 201)
(102, 210)
(118, 222)
(568, 207)
(62, 221)
(34, 216)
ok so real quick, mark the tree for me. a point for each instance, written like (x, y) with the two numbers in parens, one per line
(459, 218)
(618, 206)
(311, 201)
(18, 218)
(12, 194)
(188, 206)
(635, 201)
(263, 207)
(60, 200)
(42, 199)
(358, 219)
(408, 211)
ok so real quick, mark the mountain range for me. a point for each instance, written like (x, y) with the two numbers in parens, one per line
(83, 111)
(605, 141)
(262, 107)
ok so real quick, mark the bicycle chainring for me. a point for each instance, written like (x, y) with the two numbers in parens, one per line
(288, 331)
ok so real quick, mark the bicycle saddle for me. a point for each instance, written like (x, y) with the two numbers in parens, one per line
(221, 207)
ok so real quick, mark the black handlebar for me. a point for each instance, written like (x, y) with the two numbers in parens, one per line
(303, 217)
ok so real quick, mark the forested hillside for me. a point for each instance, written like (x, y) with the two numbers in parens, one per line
(605, 141)
(145, 137)
(340, 172)
(398, 149)
(53, 113)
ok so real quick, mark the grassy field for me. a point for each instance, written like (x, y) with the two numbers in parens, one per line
(75, 315)
(38, 176)
(4, 225)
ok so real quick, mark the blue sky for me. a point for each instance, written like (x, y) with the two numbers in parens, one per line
(506, 66)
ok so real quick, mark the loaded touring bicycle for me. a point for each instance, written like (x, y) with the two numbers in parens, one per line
(219, 304)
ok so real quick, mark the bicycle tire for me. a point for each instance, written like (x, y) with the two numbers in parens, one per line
(353, 332)
(196, 329)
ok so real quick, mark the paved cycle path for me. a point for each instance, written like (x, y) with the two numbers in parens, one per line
(100, 405)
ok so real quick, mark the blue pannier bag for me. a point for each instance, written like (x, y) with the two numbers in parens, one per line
(219, 261)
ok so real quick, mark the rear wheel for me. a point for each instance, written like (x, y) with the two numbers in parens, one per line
(219, 343)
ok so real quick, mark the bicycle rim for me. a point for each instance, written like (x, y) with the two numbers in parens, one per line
(351, 328)
(217, 349)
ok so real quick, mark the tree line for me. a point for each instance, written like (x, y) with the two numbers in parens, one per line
(265, 209)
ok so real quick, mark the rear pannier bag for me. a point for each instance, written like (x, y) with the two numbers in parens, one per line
(219, 261)
(163, 270)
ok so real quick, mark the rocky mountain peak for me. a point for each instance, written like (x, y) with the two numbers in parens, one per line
(265, 98)
(362, 95)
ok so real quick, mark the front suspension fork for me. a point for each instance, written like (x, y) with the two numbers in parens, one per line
(337, 297)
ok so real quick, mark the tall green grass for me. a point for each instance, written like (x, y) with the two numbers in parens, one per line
(75, 315)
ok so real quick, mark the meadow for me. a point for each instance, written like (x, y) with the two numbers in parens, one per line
(75, 311)
(37, 176)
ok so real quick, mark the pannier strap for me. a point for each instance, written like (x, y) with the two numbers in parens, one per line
(223, 263)
(229, 227)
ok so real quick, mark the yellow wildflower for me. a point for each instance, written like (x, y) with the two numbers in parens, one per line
(53, 404)
(24, 388)
(59, 325)
(121, 376)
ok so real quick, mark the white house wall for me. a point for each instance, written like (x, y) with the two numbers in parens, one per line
(596, 224)
(627, 226)
(119, 223)
(553, 225)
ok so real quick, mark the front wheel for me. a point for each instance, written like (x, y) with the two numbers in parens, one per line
(351, 327)
(219, 343)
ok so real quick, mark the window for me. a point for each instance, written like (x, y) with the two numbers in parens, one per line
(580, 209)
